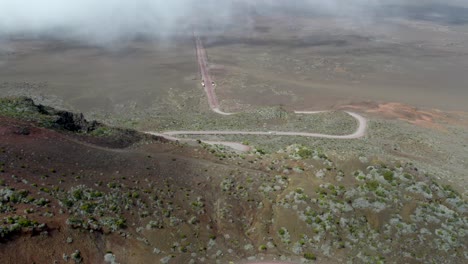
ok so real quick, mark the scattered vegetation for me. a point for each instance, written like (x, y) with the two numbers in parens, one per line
(314, 203)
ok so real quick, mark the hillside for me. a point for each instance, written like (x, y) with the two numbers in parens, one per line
(95, 194)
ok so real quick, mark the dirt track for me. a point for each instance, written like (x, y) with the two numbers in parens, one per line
(357, 134)
(214, 105)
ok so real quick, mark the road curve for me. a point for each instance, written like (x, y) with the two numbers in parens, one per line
(360, 132)
(214, 105)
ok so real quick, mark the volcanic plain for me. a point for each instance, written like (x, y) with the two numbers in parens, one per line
(105, 191)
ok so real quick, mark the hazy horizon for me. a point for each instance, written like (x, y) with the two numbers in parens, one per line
(107, 21)
(406, 49)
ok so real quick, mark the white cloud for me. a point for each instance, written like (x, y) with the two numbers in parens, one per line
(109, 20)
(102, 20)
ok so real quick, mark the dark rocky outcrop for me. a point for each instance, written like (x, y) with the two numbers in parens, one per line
(25, 108)
(74, 122)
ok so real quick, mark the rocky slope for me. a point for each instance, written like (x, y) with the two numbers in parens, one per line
(89, 193)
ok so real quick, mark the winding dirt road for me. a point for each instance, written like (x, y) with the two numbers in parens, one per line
(214, 105)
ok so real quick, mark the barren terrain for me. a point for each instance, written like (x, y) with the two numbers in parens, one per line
(351, 138)
(109, 194)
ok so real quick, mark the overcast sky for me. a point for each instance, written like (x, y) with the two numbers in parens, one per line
(108, 20)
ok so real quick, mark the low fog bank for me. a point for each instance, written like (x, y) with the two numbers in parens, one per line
(107, 21)
(104, 21)
(454, 12)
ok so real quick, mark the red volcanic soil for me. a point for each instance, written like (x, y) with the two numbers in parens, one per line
(30, 152)
(429, 118)
(34, 158)
(51, 164)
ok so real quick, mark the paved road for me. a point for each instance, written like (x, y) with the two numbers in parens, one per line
(214, 105)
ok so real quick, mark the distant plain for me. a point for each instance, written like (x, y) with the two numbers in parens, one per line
(280, 57)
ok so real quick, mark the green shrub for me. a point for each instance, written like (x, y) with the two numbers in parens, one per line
(281, 232)
(121, 223)
(88, 207)
(388, 176)
(299, 190)
(372, 185)
(68, 203)
(78, 194)
(322, 156)
(310, 256)
(261, 151)
(304, 153)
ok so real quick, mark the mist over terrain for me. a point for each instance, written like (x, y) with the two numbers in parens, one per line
(390, 50)
(103, 21)
(233, 131)
(112, 20)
